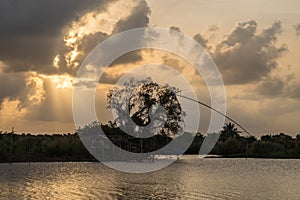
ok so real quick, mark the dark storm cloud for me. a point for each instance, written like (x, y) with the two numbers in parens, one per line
(246, 56)
(201, 40)
(85, 46)
(89, 42)
(294, 91)
(138, 19)
(11, 86)
(32, 31)
(32, 34)
(271, 87)
(279, 86)
(297, 28)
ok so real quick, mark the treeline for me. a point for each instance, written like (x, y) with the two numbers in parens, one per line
(68, 147)
(232, 144)
(34, 148)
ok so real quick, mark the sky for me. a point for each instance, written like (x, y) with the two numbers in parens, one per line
(255, 45)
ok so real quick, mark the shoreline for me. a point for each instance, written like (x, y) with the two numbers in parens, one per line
(95, 161)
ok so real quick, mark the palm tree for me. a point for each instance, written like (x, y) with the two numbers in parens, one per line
(229, 131)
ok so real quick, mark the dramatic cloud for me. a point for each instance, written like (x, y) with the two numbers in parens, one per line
(22, 87)
(89, 42)
(245, 56)
(44, 48)
(85, 34)
(202, 41)
(11, 86)
(42, 44)
(85, 46)
(271, 87)
(31, 32)
(297, 28)
(284, 86)
(138, 18)
(294, 91)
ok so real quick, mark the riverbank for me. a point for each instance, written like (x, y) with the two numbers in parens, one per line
(53, 160)
(69, 147)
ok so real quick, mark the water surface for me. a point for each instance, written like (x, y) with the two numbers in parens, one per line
(190, 178)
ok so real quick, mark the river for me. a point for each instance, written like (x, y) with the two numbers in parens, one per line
(189, 178)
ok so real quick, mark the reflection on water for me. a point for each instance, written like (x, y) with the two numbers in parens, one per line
(190, 178)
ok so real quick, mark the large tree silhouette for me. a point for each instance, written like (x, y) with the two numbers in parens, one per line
(146, 102)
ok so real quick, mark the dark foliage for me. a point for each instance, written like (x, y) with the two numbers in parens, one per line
(68, 147)
(231, 144)
(27, 147)
(135, 100)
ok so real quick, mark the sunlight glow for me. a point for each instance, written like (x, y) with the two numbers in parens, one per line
(56, 61)
(94, 22)
(2, 66)
(36, 93)
(61, 81)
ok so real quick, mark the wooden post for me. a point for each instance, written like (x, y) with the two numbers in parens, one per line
(246, 149)
(10, 144)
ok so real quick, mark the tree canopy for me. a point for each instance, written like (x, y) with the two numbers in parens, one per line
(146, 102)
